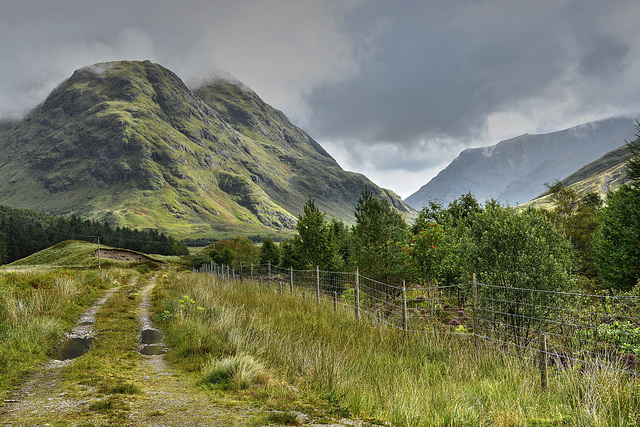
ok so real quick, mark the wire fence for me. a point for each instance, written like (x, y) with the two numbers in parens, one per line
(560, 330)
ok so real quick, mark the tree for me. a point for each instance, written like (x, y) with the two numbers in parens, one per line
(580, 218)
(3, 249)
(378, 236)
(313, 243)
(245, 251)
(633, 164)
(618, 243)
(430, 213)
(462, 208)
(517, 254)
(269, 252)
(288, 256)
(426, 251)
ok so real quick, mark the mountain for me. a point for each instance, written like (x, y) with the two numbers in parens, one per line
(128, 143)
(516, 170)
(600, 176)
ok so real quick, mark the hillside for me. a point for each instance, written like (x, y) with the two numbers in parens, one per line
(516, 170)
(600, 176)
(128, 143)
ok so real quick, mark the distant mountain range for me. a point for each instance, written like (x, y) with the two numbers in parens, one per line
(128, 143)
(515, 171)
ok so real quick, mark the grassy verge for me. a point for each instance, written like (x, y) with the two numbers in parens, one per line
(320, 359)
(36, 309)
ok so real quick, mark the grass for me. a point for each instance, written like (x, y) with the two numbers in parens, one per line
(35, 311)
(327, 360)
(237, 372)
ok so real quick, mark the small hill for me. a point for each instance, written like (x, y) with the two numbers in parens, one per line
(128, 143)
(516, 170)
(72, 253)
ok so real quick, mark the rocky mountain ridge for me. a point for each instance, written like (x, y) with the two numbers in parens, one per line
(129, 143)
(516, 170)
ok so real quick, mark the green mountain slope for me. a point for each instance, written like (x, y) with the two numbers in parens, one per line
(600, 176)
(129, 143)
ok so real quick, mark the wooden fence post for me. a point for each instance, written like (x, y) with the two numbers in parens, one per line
(544, 375)
(357, 295)
(291, 282)
(404, 307)
(335, 302)
(251, 271)
(269, 266)
(317, 284)
(474, 293)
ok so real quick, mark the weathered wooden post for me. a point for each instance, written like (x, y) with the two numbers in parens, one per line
(335, 302)
(291, 281)
(356, 295)
(544, 374)
(269, 266)
(252, 272)
(317, 284)
(474, 293)
(404, 307)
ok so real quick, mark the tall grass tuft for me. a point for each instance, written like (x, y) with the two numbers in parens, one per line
(237, 372)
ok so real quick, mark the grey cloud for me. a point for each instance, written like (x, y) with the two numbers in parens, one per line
(606, 57)
(443, 73)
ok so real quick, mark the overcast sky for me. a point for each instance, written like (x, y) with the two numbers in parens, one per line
(394, 90)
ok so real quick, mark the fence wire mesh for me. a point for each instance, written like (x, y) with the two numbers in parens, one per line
(564, 329)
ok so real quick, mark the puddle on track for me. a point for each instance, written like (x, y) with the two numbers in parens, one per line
(153, 349)
(74, 347)
(80, 339)
(150, 338)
